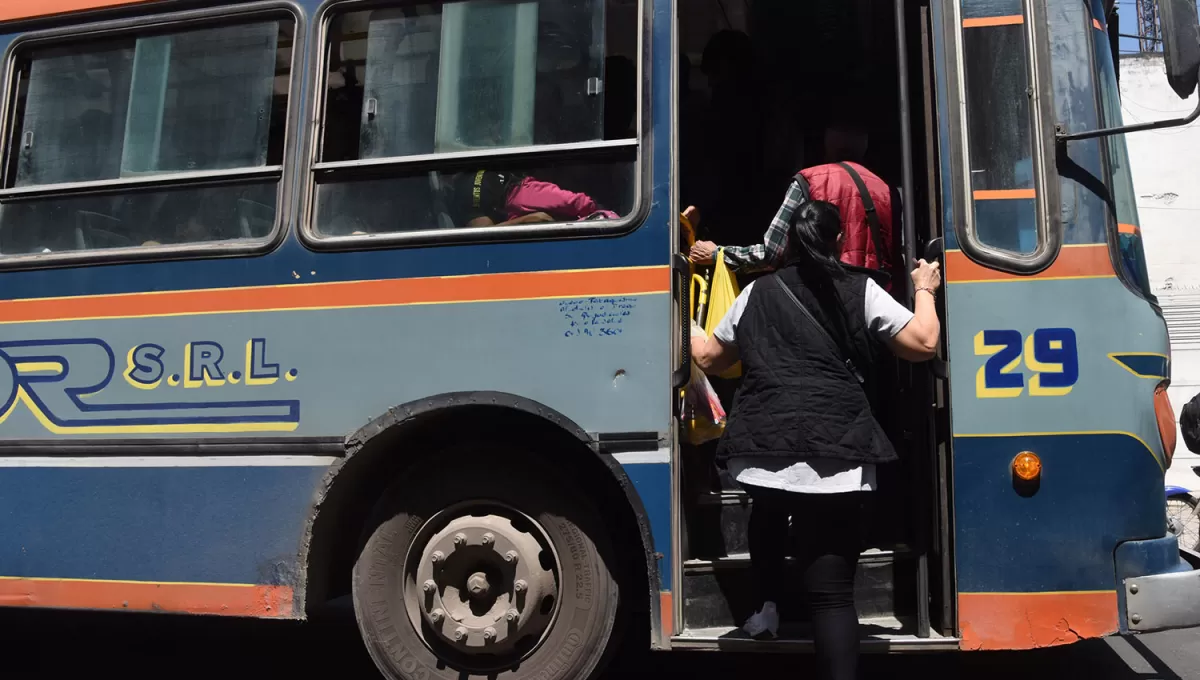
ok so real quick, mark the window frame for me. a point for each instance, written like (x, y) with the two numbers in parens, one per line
(283, 173)
(318, 65)
(1047, 198)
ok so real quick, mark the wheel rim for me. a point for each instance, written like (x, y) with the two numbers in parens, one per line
(1182, 522)
(482, 585)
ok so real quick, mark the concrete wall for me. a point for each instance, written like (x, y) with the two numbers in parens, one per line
(1166, 181)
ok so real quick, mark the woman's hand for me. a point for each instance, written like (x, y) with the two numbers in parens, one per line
(927, 275)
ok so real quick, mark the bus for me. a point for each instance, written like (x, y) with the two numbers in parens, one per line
(383, 300)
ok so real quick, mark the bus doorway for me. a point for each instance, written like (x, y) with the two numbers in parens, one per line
(758, 83)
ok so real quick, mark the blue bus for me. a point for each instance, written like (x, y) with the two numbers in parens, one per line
(383, 299)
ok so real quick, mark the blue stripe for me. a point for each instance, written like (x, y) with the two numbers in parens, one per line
(1145, 365)
(1097, 491)
(209, 525)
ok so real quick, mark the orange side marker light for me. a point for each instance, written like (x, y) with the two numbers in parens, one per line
(1027, 466)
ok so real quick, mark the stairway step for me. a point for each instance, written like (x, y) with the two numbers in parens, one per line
(878, 635)
(722, 592)
(717, 522)
(716, 525)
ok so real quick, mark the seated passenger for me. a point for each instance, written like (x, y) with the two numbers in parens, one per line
(488, 198)
(832, 182)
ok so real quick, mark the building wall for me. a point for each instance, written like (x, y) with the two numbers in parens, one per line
(1166, 181)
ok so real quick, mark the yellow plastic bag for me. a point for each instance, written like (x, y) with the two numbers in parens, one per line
(721, 293)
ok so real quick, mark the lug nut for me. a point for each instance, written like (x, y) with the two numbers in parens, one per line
(488, 539)
(429, 587)
(437, 616)
(511, 557)
(460, 540)
(520, 586)
(489, 634)
(511, 615)
(438, 557)
(460, 634)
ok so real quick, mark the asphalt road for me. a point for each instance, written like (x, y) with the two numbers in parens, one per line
(47, 646)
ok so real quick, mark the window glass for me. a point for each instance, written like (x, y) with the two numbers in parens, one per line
(469, 76)
(147, 218)
(148, 107)
(1129, 238)
(476, 197)
(1000, 144)
(191, 101)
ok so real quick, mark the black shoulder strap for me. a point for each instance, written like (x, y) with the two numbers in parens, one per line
(837, 349)
(872, 216)
(802, 181)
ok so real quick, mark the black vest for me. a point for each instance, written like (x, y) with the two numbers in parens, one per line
(798, 400)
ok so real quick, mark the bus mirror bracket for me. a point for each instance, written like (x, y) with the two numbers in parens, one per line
(1062, 136)
(1181, 55)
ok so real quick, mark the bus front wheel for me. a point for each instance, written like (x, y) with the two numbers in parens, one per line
(485, 563)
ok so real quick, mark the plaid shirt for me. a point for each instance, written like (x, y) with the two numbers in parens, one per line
(769, 254)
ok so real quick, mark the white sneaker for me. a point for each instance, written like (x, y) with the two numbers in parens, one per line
(763, 624)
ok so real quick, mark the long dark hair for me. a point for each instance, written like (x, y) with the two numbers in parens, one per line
(813, 249)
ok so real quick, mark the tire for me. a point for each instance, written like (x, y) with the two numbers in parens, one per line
(1183, 522)
(407, 573)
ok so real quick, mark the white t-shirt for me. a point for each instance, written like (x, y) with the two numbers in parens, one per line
(885, 318)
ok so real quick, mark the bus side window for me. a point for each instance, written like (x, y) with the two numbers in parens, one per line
(412, 94)
(114, 130)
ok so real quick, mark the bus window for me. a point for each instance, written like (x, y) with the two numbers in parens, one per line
(999, 131)
(99, 127)
(1132, 260)
(537, 97)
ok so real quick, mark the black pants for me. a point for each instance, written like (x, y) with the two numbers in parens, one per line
(827, 531)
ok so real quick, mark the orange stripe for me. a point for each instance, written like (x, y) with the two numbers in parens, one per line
(1003, 195)
(1073, 262)
(1096, 22)
(666, 613)
(189, 598)
(1029, 620)
(346, 294)
(27, 9)
(982, 22)
(1129, 229)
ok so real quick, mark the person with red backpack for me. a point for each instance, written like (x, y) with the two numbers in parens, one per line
(864, 200)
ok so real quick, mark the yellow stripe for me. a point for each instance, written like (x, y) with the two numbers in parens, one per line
(1064, 434)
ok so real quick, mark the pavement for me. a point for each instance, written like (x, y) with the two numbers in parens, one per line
(49, 645)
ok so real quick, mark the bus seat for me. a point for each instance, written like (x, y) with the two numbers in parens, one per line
(96, 230)
(255, 219)
(440, 211)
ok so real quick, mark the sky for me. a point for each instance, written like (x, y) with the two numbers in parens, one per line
(1128, 10)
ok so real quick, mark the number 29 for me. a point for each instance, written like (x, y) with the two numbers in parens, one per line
(1051, 354)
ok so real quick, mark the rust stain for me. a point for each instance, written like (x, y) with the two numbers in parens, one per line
(666, 613)
(993, 621)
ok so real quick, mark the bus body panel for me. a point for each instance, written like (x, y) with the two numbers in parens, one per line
(1063, 363)
(581, 325)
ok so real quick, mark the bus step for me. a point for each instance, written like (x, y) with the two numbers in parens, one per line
(717, 523)
(722, 592)
(878, 634)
